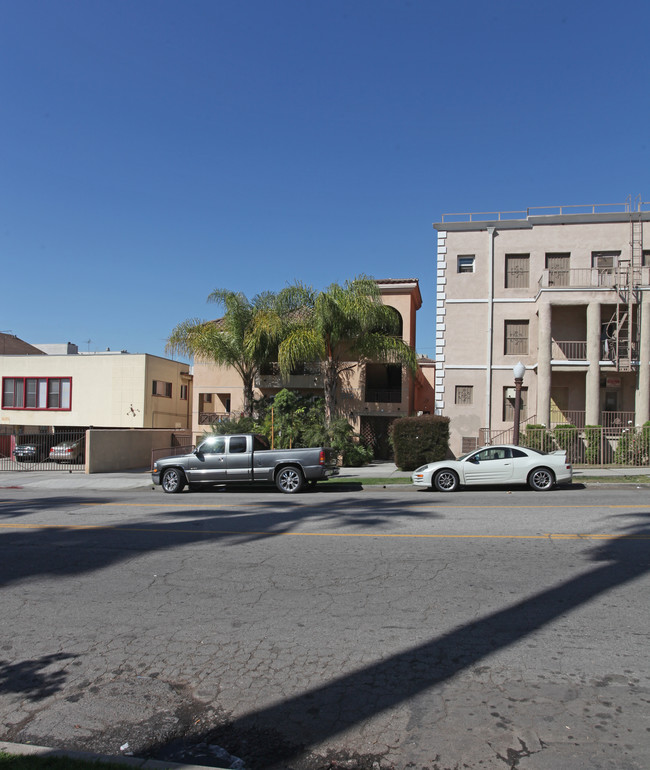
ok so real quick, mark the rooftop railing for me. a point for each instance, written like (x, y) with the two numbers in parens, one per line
(592, 208)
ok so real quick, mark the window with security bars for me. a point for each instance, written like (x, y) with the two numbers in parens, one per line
(516, 338)
(509, 395)
(464, 394)
(517, 271)
(557, 265)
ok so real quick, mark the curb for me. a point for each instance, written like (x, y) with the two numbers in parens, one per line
(27, 749)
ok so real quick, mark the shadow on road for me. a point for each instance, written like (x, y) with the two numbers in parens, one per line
(349, 700)
(341, 703)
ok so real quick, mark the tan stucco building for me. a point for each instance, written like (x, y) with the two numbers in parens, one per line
(566, 291)
(113, 390)
(371, 396)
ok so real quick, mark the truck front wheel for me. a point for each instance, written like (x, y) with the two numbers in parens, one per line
(289, 480)
(173, 481)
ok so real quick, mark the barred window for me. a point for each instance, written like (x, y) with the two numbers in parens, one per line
(516, 338)
(509, 395)
(517, 271)
(558, 268)
(464, 394)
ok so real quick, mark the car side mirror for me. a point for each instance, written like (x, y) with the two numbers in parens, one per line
(474, 460)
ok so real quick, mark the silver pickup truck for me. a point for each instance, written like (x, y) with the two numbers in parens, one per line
(244, 458)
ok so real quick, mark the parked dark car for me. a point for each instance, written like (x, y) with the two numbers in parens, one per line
(68, 451)
(34, 449)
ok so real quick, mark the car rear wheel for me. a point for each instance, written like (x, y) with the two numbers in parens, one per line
(173, 481)
(289, 480)
(446, 481)
(541, 479)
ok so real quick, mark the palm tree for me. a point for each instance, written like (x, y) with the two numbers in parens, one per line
(340, 326)
(225, 341)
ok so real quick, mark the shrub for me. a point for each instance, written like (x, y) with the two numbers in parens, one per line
(297, 420)
(567, 437)
(537, 437)
(593, 436)
(341, 436)
(419, 440)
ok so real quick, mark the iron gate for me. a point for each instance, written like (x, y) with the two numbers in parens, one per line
(63, 450)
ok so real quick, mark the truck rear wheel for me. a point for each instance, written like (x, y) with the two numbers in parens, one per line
(289, 480)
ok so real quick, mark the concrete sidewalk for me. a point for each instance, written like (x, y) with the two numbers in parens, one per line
(139, 479)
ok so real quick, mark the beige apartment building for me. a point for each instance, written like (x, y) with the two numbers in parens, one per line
(44, 391)
(565, 291)
(371, 396)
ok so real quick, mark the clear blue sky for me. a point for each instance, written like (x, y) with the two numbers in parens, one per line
(151, 151)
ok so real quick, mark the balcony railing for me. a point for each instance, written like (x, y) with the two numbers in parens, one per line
(569, 350)
(211, 418)
(591, 278)
(308, 375)
(392, 396)
(576, 350)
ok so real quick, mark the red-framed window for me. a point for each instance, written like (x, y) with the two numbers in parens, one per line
(47, 393)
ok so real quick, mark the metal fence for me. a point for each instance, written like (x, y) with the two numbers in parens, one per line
(592, 445)
(60, 450)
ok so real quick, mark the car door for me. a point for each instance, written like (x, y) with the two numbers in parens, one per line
(208, 463)
(492, 465)
(521, 463)
(238, 459)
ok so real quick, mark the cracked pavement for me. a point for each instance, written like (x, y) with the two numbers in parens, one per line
(386, 629)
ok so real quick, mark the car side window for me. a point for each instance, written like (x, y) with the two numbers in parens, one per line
(237, 445)
(216, 446)
(518, 453)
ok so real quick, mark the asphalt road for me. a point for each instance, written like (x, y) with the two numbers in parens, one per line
(394, 627)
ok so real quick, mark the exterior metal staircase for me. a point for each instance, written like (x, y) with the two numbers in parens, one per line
(624, 334)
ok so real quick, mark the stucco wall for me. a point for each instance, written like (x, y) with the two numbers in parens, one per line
(111, 451)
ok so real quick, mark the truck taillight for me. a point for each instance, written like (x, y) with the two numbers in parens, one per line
(321, 459)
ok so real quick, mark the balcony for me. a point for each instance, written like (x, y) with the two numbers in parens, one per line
(576, 350)
(307, 375)
(392, 396)
(211, 418)
(591, 278)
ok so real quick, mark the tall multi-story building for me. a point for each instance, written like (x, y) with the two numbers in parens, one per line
(564, 291)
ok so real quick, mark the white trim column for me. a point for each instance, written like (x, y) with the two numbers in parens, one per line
(544, 364)
(592, 381)
(642, 396)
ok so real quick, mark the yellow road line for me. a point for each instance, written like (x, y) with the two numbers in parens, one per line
(544, 536)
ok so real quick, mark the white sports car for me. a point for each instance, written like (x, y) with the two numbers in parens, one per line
(503, 464)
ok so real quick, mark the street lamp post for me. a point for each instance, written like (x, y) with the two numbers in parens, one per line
(518, 371)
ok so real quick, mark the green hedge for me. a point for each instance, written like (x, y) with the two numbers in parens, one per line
(419, 440)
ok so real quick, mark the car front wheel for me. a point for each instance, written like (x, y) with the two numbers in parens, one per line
(446, 481)
(541, 480)
(173, 481)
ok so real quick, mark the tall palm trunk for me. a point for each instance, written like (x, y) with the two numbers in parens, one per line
(330, 381)
(248, 380)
